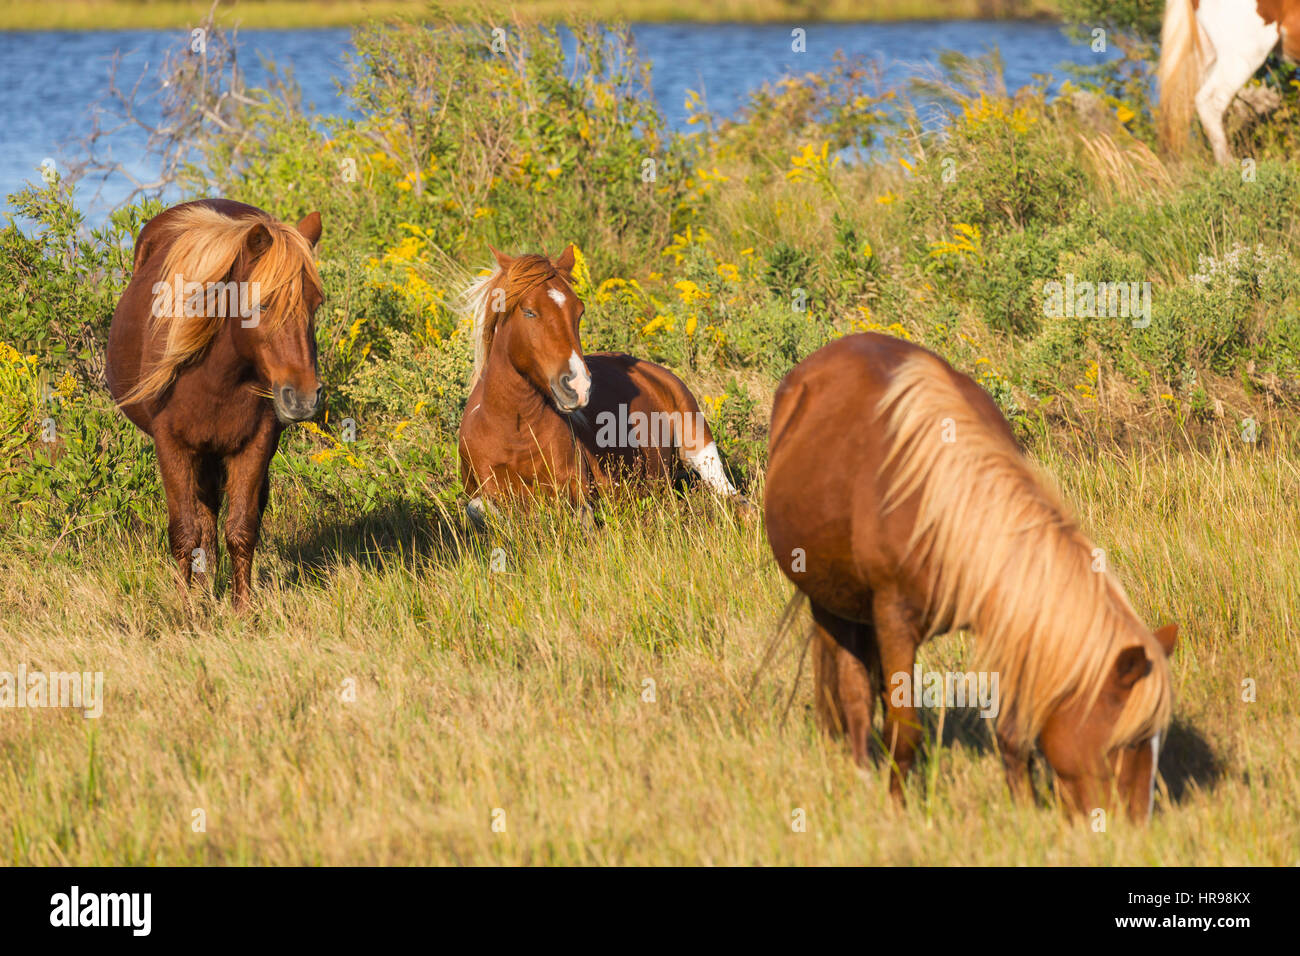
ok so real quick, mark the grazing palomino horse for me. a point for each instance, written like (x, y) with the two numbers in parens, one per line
(543, 417)
(899, 503)
(212, 352)
(1209, 49)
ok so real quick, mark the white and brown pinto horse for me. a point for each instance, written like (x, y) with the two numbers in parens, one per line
(1209, 49)
(542, 417)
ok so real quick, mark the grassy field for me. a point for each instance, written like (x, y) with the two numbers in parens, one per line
(523, 691)
(266, 14)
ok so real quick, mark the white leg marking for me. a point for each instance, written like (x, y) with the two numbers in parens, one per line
(708, 466)
(1242, 42)
(480, 509)
(1155, 758)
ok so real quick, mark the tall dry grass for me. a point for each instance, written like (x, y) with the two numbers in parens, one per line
(520, 696)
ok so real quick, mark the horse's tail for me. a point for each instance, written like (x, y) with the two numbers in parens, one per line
(788, 615)
(1179, 74)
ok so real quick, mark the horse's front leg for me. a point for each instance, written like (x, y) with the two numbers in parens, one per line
(178, 466)
(247, 487)
(897, 637)
(1015, 763)
(207, 504)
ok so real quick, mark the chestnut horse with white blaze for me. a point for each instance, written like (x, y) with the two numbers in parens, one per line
(900, 505)
(542, 417)
(212, 353)
(1209, 50)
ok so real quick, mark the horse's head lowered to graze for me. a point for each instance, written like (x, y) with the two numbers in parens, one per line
(528, 310)
(253, 276)
(990, 543)
(1105, 754)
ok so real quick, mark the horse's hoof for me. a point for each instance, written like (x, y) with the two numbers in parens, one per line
(746, 510)
(479, 512)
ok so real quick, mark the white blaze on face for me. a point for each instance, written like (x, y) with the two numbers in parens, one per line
(579, 378)
(708, 466)
(556, 296)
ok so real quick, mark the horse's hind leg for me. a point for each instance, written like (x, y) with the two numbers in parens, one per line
(696, 447)
(1235, 63)
(843, 661)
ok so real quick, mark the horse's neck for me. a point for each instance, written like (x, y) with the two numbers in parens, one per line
(505, 392)
(223, 361)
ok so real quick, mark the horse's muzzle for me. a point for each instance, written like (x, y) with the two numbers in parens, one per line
(566, 396)
(292, 405)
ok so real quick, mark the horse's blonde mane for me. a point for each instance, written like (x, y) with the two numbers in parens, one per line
(1013, 564)
(205, 246)
(525, 273)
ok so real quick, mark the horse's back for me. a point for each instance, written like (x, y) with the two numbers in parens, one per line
(637, 382)
(824, 491)
(831, 395)
(840, 385)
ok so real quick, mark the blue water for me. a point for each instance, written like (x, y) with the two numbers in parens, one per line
(53, 80)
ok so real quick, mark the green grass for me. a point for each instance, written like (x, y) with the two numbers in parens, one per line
(522, 690)
(253, 14)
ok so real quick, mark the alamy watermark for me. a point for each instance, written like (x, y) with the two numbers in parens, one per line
(83, 690)
(133, 911)
(978, 689)
(213, 299)
(624, 429)
(1091, 300)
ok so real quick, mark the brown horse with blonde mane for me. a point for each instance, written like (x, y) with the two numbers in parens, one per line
(542, 417)
(899, 503)
(212, 352)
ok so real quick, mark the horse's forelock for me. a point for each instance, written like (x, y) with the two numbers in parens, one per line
(283, 272)
(525, 274)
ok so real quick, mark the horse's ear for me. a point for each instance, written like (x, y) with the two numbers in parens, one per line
(1167, 636)
(565, 262)
(258, 240)
(1131, 666)
(310, 228)
(502, 259)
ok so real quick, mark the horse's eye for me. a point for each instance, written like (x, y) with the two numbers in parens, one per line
(530, 313)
